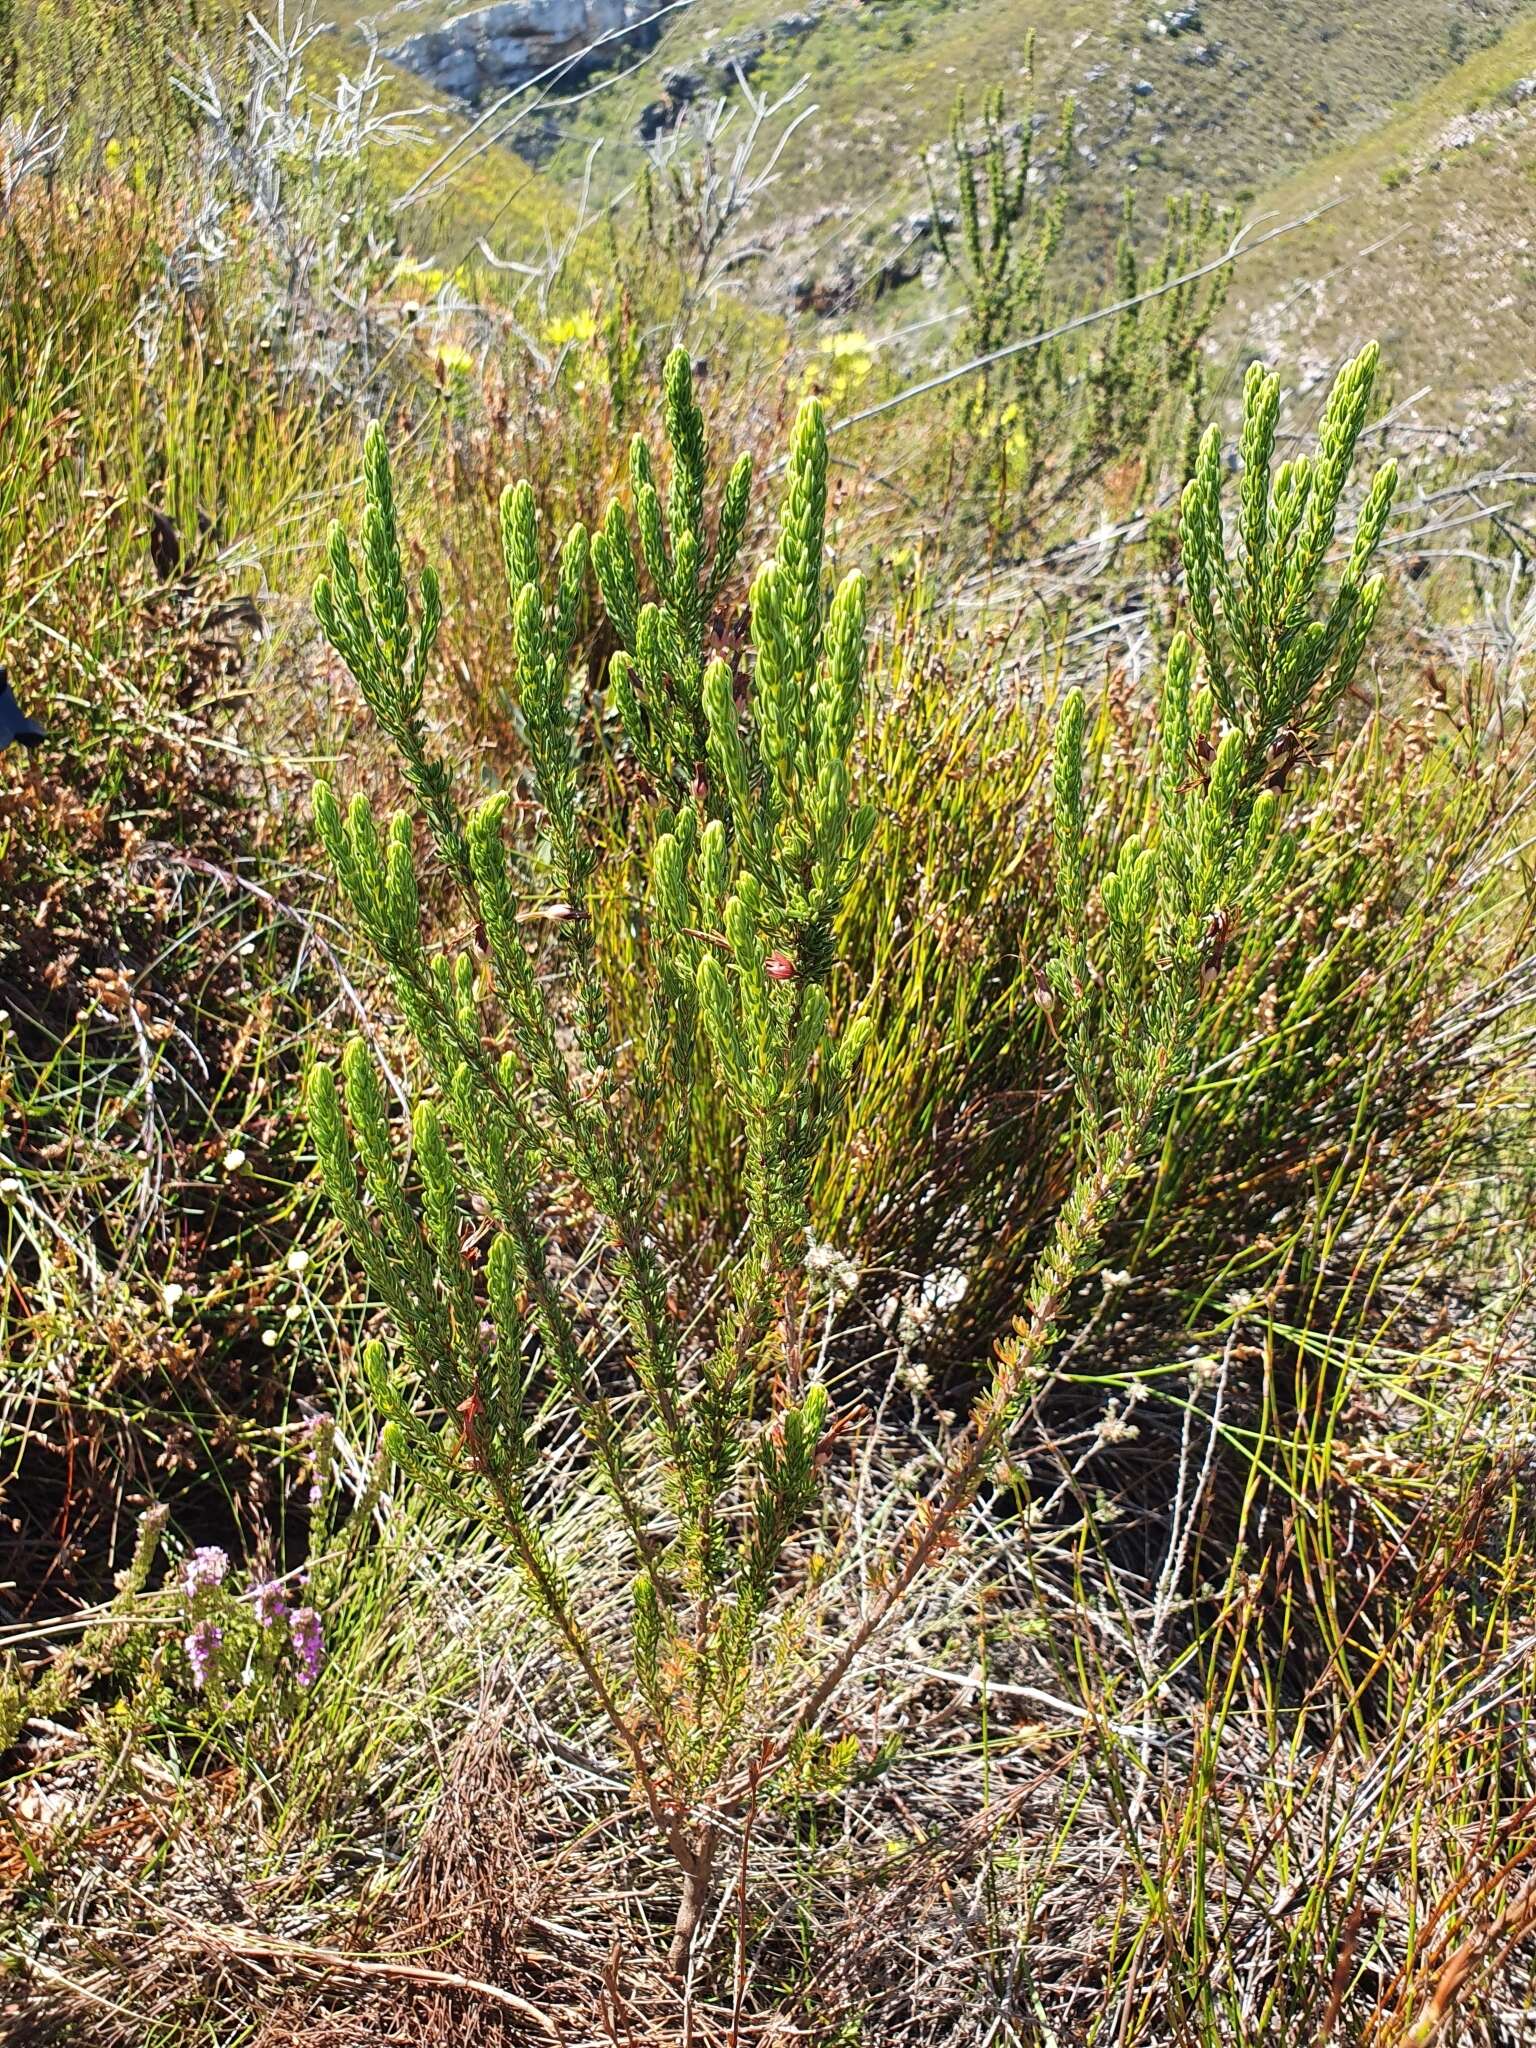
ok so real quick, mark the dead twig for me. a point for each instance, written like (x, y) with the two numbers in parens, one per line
(275, 1949)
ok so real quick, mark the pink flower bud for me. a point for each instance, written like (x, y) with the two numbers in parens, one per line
(202, 1648)
(308, 1637)
(779, 967)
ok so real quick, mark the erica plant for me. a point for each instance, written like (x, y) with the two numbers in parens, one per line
(711, 1466)
(703, 1427)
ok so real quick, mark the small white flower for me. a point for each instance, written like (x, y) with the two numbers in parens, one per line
(914, 1375)
(234, 1159)
(171, 1293)
(298, 1259)
(1113, 1427)
(836, 1271)
(269, 1338)
(1112, 1280)
(10, 1188)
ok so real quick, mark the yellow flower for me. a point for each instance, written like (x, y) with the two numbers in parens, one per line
(579, 327)
(453, 359)
(845, 360)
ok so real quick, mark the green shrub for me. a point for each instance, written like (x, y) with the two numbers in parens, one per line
(712, 1445)
(1050, 413)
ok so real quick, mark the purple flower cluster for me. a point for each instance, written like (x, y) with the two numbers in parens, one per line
(290, 1638)
(202, 1647)
(307, 1634)
(205, 1569)
(271, 1604)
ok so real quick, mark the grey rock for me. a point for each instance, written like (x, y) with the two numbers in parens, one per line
(734, 54)
(681, 87)
(1143, 88)
(493, 48)
(918, 226)
(563, 20)
(457, 74)
(505, 59)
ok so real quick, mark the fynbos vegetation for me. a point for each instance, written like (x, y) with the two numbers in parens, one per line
(765, 1140)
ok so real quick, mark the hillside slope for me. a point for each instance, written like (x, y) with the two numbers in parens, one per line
(1429, 243)
(1229, 96)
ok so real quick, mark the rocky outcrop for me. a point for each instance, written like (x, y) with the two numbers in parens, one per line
(494, 49)
(720, 66)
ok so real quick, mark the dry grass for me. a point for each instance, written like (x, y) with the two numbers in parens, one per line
(1109, 1816)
